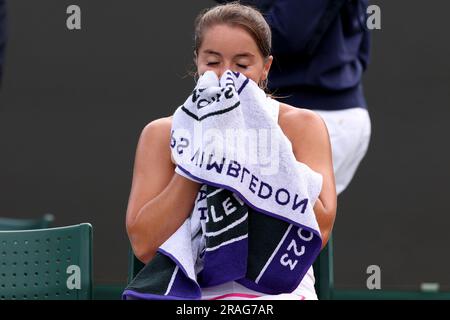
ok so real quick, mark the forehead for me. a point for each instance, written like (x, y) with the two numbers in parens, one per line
(228, 41)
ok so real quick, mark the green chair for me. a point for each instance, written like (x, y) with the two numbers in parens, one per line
(26, 224)
(324, 272)
(54, 264)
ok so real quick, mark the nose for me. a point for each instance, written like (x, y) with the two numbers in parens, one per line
(224, 67)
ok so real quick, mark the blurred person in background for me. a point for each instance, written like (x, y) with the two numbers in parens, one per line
(321, 49)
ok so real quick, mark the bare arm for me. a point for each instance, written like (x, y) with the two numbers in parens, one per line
(160, 199)
(311, 144)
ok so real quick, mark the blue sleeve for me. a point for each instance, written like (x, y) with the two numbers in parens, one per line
(366, 42)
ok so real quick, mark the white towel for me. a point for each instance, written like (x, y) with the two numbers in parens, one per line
(236, 104)
(253, 219)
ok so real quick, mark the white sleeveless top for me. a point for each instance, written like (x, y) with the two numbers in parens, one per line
(234, 291)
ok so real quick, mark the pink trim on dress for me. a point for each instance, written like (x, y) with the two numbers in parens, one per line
(240, 295)
(243, 295)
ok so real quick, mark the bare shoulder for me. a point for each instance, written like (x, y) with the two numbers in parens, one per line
(157, 129)
(156, 135)
(298, 123)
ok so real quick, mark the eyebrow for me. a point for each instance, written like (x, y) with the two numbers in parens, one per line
(239, 55)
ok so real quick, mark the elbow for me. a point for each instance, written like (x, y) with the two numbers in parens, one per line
(325, 238)
(143, 254)
(142, 248)
(326, 219)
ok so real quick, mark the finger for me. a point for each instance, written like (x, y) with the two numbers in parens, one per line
(235, 79)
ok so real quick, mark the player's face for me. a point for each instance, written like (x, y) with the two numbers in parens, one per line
(229, 47)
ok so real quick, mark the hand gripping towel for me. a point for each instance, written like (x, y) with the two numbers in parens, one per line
(253, 220)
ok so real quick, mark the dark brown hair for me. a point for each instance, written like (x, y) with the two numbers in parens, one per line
(235, 14)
